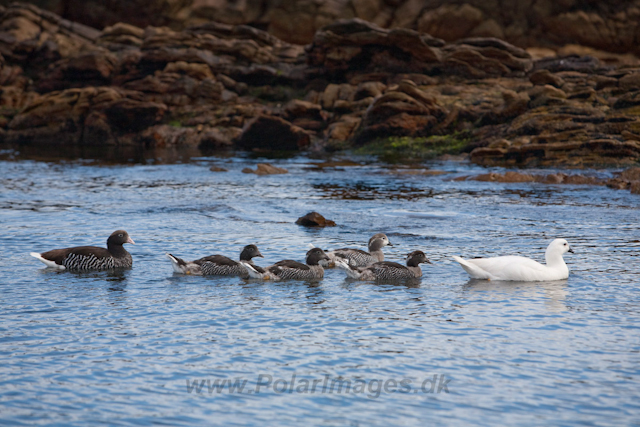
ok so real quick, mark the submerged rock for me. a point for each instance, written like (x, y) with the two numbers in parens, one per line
(265, 169)
(627, 179)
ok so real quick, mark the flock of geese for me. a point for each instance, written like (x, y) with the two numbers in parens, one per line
(358, 264)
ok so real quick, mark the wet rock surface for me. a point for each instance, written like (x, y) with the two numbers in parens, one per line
(223, 86)
(314, 219)
(265, 169)
(628, 179)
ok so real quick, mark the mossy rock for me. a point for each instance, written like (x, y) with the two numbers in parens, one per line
(401, 148)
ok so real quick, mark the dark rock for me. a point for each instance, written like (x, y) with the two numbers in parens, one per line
(356, 45)
(129, 115)
(627, 100)
(631, 174)
(88, 69)
(35, 38)
(546, 95)
(553, 178)
(584, 64)
(545, 77)
(273, 133)
(314, 219)
(344, 129)
(506, 177)
(402, 110)
(618, 184)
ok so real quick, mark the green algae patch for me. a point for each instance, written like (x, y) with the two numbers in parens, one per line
(416, 148)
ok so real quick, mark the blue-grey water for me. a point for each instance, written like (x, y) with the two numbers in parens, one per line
(146, 346)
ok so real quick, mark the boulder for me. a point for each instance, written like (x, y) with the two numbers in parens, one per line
(314, 219)
(273, 133)
(34, 38)
(265, 169)
(506, 177)
(61, 117)
(403, 110)
(545, 77)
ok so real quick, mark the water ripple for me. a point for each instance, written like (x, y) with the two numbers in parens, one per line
(124, 348)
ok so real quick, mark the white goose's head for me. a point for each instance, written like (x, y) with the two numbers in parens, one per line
(559, 246)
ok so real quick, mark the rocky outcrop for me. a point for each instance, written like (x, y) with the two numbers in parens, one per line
(628, 179)
(355, 46)
(221, 86)
(609, 26)
(103, 116)
(574, 118)
(273, 133)
(265, 169)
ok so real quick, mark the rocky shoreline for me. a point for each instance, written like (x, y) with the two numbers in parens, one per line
(219, 86)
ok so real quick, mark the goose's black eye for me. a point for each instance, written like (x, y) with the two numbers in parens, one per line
(120, 235)
(565, 244)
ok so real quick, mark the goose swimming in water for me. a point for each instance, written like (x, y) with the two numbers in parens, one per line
(217, 265)
(387, 270)
(87, 258)
(360, 258)
(289, 269)
(518, 268)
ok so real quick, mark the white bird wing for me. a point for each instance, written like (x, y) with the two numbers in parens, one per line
(473, 270)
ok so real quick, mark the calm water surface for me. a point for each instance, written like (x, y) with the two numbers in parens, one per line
(146, 346)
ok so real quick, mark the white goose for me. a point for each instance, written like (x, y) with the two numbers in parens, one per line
(520, 269)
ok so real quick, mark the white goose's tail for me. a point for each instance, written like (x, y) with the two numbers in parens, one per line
(354, 274)
(473, 270)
